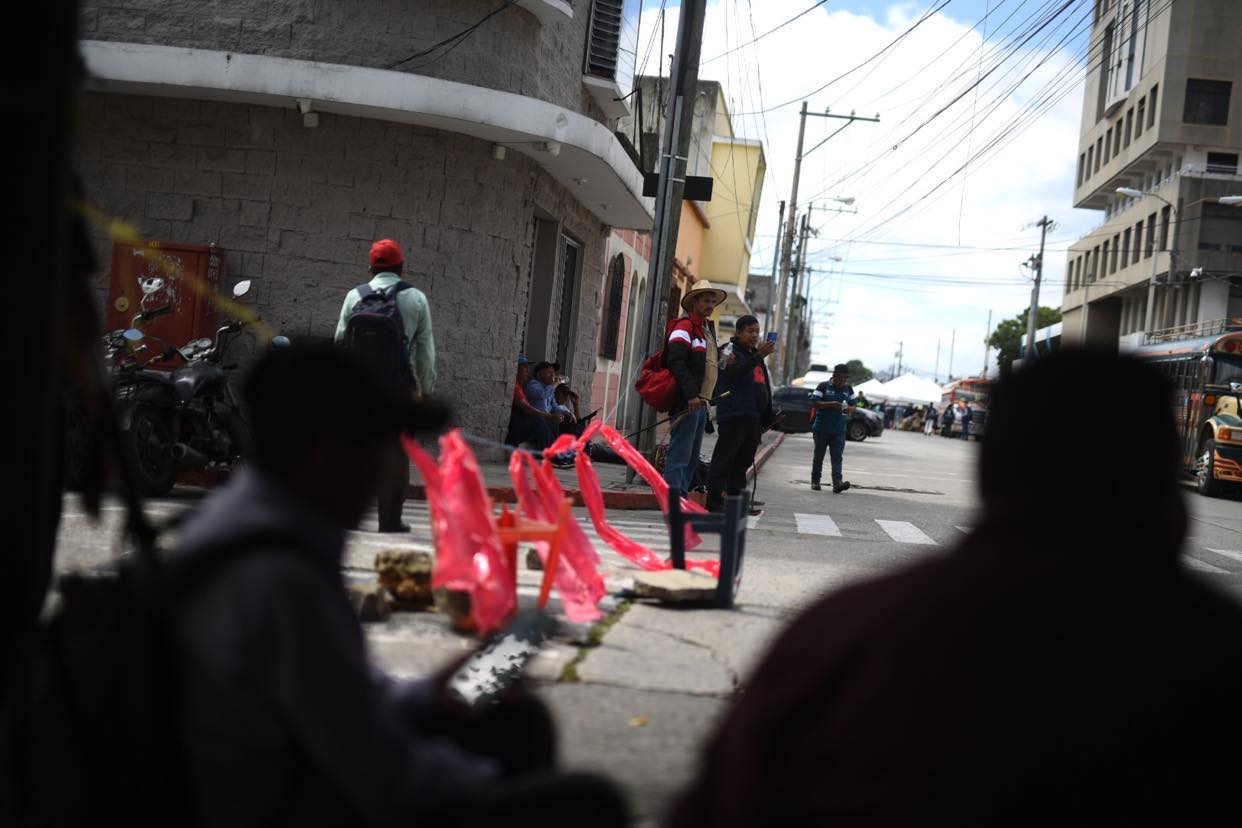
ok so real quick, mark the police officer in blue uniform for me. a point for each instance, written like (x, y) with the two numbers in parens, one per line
(833, 401)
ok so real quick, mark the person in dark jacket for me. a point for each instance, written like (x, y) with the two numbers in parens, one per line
(1031, 677)
(283, 718)
(968, 418)
(742, 415)
(691, 355)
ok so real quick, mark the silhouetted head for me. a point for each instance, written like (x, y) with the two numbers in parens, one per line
(323, 421)
(1083, 443)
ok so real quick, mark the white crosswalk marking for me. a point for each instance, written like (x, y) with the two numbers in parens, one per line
(963, 529)
(904, 532)
(1195, 563)
(752, 521)
(816, 525)
(1228, 553)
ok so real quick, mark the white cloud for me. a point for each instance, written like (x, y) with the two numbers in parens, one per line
(993, 206)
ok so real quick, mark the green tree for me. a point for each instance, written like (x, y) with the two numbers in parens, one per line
(859, 373)
(1010, 335)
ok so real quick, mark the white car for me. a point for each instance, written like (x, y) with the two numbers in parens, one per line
(813, 377)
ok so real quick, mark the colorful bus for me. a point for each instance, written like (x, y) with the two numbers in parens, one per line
(972, 390)
(1206, 373)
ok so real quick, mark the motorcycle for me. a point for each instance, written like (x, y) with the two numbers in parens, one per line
(186, 418)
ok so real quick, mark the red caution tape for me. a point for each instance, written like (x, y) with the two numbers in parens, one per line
(593, 497)
(469, 554)
(577, 576)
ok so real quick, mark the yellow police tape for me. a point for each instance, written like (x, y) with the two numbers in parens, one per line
(126, 233)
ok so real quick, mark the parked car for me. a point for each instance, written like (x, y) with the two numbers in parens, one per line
(795, 403)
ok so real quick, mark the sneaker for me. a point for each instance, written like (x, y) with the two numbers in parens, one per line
(815, 487)
(757, 503)
(755, 512)
(399, 528)
(840, 486)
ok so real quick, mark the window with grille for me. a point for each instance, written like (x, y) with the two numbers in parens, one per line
(610, 330)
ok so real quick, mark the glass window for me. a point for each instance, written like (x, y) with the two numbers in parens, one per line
(1151, 107)
(1207, 102)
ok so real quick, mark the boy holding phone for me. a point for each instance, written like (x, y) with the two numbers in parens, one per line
(743, 414)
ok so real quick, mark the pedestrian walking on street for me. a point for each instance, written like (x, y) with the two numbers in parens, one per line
(284, 718)
(949, 416)
(968, 417)
(929, 421)
(833, 402)
(1035, 675)
(743, 414)
(692, 356)
(388, 322)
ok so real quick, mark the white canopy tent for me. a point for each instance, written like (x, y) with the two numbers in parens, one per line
(873, 389)
(907, 389)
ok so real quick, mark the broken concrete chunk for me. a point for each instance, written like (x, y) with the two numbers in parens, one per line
(456, 605)
(675, 586)
(533, 561)
(406, 575)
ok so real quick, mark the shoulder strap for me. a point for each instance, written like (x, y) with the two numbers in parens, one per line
(364, 290)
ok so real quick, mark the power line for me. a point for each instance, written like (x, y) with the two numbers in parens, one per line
(765, 34)
(456, 39)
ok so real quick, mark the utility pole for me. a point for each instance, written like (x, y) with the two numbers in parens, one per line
(901, 352)
(987, 349)
(675, 148)
(789, 357)
(787, 245)
(937, 373)
(776, 258)
(1033, 315)
(952, 342)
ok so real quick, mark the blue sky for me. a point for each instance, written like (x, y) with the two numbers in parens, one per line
(934, 247)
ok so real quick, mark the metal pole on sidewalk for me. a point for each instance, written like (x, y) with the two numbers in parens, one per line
(1033, 316)
(679, 114)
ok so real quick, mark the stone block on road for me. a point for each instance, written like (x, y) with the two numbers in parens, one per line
(370, 601)
(406, 575)
(675, 586)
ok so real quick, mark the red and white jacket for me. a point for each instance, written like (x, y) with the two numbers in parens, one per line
(686, 355)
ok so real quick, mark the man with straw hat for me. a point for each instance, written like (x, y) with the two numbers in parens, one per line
(692, 356)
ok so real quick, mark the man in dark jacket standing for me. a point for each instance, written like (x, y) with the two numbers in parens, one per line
(742, 415)
(691, 355)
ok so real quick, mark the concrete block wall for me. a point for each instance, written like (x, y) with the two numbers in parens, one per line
(511, 52)
(296, 210)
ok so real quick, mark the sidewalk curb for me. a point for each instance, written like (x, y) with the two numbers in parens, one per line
(613, 499)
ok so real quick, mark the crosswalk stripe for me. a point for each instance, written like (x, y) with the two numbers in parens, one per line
(752, 521)
(816, 525)
(1202, 566)
(963, 529)
(905, 532)
(1228, 553)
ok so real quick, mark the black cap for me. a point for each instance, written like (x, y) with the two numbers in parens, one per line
(841, 368)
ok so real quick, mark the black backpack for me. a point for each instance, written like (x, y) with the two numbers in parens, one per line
(376, 330)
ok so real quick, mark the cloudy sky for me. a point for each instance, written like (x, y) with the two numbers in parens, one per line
(979, 106)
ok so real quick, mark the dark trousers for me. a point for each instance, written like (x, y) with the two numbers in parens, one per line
(524, 428)
(835, 445)
(736, 444)
(394, 484)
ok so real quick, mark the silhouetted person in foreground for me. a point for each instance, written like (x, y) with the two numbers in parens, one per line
(283, 719)
(1060, 667)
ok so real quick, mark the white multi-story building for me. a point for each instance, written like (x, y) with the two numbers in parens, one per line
(1158, 153)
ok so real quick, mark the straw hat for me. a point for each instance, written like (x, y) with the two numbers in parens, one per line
(700, 287)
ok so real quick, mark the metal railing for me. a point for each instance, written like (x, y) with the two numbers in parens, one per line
(1196, 330)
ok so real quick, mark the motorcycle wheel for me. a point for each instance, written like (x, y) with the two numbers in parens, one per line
(149, 442)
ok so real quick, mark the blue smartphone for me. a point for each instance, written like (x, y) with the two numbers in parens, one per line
(771, 337)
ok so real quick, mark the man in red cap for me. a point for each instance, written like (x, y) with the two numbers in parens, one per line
(388, 314)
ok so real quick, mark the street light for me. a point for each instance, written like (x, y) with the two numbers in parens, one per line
(847, 201)
(1151, 282)
(1230, 200)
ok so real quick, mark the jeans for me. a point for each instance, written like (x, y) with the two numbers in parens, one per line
(835, 443)
(394, 483)
(684, 443)
(736, 443)
(524, 428)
